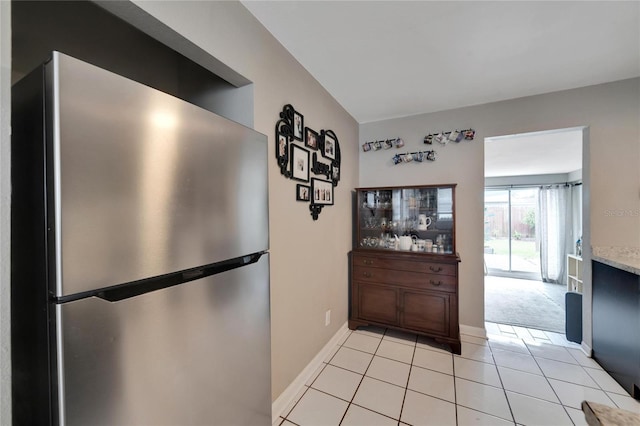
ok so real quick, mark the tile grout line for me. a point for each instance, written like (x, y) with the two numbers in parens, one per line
(504, 390)
(455, 392)
(484, 384)
(364, 374)
(564, 407)
(406, 388)
(481, 383)
(582, 367)
(313, 381)
(552, 388)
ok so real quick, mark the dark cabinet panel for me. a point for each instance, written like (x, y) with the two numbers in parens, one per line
(378, 303)
(616, 324)
(426, 311)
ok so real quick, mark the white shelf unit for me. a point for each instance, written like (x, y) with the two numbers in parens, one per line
(574, 273)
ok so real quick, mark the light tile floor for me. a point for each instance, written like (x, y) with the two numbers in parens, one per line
(518, 376)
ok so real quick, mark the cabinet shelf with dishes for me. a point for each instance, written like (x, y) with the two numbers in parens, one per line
(404, 265)
(418, 219)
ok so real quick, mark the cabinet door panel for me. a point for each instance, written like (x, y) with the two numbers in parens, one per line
(378, 303)
(426, 311)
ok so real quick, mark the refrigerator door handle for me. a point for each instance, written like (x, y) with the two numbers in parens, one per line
(137, 288)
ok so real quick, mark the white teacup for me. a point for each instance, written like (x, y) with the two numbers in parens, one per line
(428, 245)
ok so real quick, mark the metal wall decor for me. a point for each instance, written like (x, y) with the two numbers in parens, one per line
(414, 157)
(331, 150)
(383, 144)
(320, 168)
(284, 134)
(294, 159)
(452, 136)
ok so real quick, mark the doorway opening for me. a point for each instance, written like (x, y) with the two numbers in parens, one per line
(533, 220)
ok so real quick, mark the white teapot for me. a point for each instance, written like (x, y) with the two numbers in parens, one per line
(423, 222)
(405, 242)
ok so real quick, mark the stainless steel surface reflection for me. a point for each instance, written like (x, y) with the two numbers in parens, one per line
(141, 186)
(208, 363)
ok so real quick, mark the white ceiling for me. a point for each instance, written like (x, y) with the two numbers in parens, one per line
(539, 153)
(385, 59)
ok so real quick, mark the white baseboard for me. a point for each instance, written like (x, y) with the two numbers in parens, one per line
(282, 402)
(588, 350)
(473, 331)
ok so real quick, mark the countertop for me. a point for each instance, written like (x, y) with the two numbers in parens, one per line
(601, 415)
(625, 258)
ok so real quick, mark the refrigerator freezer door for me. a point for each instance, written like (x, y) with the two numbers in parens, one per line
(194, 354)
(146, 184)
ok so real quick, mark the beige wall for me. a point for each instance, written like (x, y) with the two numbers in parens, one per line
(612, 154)
(308, 258)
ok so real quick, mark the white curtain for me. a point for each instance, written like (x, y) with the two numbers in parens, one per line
(555, 231)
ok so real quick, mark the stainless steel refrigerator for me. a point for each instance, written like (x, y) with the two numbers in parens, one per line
(140, 267)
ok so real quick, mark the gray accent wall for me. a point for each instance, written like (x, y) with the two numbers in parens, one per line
(611, 153)
(86, 31)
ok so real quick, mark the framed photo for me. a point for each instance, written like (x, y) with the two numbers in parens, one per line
(311, 138)
(282, 145)
(298, 125)
(329, 147)
(299, 163)
(335, 173)
(321, 192)
(302, 192)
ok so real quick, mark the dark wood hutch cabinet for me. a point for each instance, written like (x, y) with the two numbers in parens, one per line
(404, 265)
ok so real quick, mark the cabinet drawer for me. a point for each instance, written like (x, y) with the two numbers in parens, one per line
(405, 278)
(404, 265)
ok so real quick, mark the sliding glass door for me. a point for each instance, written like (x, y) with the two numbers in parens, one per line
(510, 243)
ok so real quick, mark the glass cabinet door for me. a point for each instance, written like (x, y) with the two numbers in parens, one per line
(415, 219)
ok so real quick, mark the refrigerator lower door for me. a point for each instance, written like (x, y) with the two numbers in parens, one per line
(194, 354)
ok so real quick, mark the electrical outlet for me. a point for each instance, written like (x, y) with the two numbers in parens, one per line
(327, 318)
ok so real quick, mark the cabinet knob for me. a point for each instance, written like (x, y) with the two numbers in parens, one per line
(367, 274)
(435, 283)
(367, 262)
(435, 269)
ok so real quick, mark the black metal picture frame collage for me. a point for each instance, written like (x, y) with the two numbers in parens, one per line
(297, 150)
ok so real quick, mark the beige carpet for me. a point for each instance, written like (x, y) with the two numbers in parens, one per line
(525, 303)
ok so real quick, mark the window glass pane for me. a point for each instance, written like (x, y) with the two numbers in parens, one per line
(496, 229)
(525, 250)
